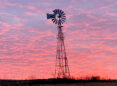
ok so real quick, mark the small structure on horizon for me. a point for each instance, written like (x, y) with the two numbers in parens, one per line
(61, 67)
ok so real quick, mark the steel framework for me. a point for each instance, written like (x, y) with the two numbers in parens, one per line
(61, 67)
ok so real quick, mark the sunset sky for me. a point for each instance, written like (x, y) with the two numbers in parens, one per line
(28, 39)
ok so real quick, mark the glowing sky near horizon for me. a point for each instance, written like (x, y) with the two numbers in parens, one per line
(28, 39)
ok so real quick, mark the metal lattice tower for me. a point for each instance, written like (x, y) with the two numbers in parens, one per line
(61, 67)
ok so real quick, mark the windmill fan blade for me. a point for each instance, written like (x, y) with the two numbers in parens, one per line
(53, 20)
(59, 12)
(55, 11)
(62, 12)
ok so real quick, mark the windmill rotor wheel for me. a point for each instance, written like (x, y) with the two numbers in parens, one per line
(59, 16)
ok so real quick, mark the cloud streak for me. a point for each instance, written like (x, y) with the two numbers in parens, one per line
(28, 39)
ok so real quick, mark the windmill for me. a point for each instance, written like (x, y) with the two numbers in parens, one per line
(61, 67)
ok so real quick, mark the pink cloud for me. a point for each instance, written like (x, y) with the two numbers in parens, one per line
(28, 43)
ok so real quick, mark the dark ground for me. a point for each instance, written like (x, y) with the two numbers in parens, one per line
(58, 82)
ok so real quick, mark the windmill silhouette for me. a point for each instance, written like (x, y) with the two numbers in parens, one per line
(61, 67)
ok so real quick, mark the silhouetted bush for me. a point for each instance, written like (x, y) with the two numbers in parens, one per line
(95, 78)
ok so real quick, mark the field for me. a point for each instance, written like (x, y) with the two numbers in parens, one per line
(58, 82)
(84, 84)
